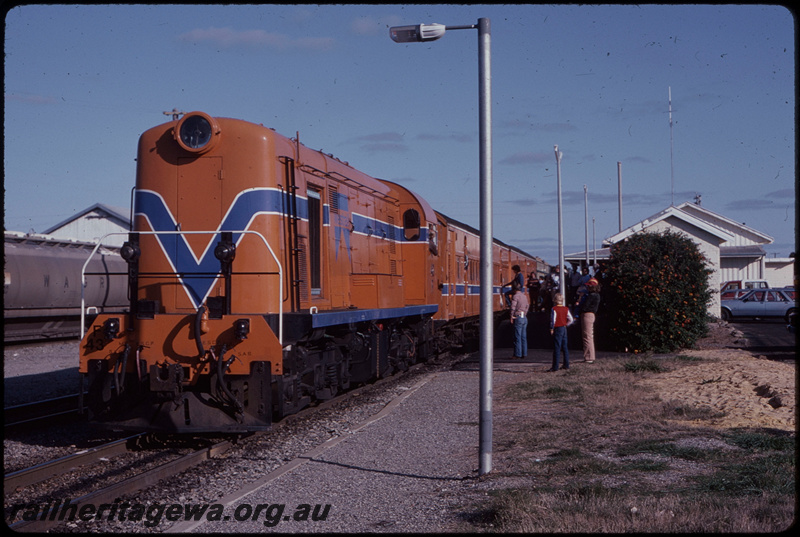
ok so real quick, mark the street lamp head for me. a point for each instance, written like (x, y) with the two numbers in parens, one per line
(416, 33)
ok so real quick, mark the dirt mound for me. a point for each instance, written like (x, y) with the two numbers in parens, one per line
(745, 390)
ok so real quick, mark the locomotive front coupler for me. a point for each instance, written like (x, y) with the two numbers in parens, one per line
(166, 382)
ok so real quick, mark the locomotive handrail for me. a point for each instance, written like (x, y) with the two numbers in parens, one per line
(342, 178)
(215, 232)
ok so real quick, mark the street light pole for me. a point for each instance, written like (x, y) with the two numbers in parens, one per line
(561, 283)
(619, 192)
(430, 32)
(586, 221)
(487, 287)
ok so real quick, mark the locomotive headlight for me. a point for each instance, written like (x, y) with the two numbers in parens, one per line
(241, 328)
(197, 132)
(129, 252)
(111, 328)
(225, 251)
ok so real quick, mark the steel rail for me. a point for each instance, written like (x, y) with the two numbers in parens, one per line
(50, 519)
(62, 465)
(28, 413)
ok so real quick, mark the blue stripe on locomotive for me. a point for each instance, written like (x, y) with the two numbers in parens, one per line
(197, 275)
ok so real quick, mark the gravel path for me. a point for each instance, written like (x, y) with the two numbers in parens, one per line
(397, 472)
(38, 371)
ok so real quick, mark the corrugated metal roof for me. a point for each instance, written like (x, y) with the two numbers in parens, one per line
(115, 213)
(669, 212)
(742, 251)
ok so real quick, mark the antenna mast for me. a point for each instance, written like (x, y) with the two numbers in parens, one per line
(671, 150)
(176, 114)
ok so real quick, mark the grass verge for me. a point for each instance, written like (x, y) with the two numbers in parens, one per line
(603, 454)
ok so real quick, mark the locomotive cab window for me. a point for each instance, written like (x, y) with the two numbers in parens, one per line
(433, 239)
(315, 241)
(411, 225)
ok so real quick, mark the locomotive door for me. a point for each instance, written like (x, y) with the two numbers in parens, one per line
(452, 274)
(314, 241)
(199, 184)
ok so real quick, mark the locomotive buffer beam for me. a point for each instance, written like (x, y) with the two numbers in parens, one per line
(161, 402)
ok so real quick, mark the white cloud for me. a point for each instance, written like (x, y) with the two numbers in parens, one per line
(374, 26)
(228, 37)
(29, 98)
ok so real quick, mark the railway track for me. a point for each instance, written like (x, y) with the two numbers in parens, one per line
(40, 329)
(40, 413)
(51, 513)
(40, 472)
(122, 468)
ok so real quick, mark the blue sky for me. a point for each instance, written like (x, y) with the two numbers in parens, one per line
(83, 82)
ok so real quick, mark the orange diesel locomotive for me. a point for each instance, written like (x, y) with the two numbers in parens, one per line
(264, 276)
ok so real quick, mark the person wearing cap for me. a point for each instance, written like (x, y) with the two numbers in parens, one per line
(587, 316)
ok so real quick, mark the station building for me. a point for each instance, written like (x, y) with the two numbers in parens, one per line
(94, 223)
(733, 250)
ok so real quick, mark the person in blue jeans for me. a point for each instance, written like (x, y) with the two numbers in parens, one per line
(519, 309)
(560, 319)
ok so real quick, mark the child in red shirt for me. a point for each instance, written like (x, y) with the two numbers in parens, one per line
(560, 319)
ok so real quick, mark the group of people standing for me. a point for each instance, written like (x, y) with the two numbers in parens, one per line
(584, 302)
